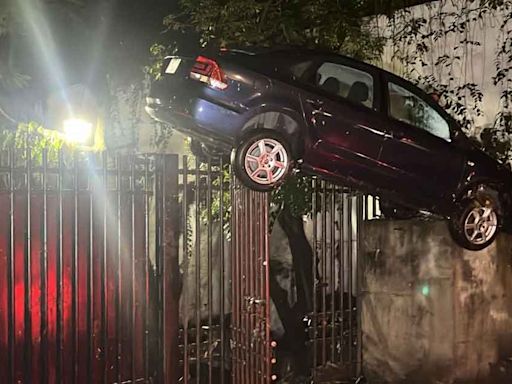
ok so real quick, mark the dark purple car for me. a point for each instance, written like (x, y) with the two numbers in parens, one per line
(339, 118)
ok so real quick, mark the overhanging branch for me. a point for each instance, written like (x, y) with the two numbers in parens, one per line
(387, 7)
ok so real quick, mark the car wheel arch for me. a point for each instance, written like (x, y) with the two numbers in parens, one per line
(286, 123)
(481, 188)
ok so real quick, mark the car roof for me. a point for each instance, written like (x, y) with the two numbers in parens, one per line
(299, 51)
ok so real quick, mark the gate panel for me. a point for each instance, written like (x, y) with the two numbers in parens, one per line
(252, 357)
(204, 258)
(334, 331)
(79, 293)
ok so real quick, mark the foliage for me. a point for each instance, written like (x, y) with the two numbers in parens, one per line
(499, 139)
(32, 136)
(435, 49)
(296, 194)
(325, 24)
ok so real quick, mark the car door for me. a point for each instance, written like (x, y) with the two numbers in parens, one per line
(341, 105)
(418, 150)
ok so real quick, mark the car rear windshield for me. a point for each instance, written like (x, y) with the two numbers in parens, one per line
(281, 65)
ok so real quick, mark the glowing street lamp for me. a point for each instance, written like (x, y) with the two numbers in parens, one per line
(77, 131)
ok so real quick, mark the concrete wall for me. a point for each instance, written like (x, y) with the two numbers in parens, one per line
(431, 311)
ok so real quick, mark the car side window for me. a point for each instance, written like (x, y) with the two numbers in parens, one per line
(409, 108)
(347, 82)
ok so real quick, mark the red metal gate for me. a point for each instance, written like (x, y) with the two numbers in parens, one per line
(80, 292)
(252, 357)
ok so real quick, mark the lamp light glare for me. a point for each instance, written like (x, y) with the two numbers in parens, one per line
(77, 130)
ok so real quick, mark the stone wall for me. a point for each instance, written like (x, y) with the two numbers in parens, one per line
(431, 311)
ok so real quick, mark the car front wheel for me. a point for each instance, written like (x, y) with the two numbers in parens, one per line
(263, 161)
(477, 223)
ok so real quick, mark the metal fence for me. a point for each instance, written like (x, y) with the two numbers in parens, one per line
(334, 329)
(204, 258)
(156, 269)
(80, 296)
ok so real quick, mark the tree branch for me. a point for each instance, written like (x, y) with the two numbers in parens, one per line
(387, 7)
(7, 116)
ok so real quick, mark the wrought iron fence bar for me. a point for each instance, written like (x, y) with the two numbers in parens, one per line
(60, 261)
(90, 278)
(234, 281)
(198, 269)
(359, 238)
(184, 231)
(222, 267)
(133, 255)
(332, 273)
(104, 269)
(118, 275)
(44, 276)
(350, 282)
(261, 259)
(147, 270)
(315, 272)
(251, 311)
(265, 231)
(11, 292)
(246, 293)
(159, 214)
(324, 270)
(341, 234)
(210, 267)
(27, 272)
(74, 274)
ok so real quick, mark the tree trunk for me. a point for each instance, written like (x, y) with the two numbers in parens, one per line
(291, 317)
(302, 258)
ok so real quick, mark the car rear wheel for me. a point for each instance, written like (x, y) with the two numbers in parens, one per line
(263, 161)
(477, 223)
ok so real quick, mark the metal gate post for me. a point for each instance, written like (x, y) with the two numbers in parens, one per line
(359, 238)
(171, 274)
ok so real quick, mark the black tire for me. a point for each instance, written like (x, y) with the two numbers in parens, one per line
(239, 161)
(464, 215)
(395, 211)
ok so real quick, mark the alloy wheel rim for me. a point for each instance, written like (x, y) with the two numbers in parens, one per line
(480, 225)
(266, 161)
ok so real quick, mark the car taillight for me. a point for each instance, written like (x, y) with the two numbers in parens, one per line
(208, 71)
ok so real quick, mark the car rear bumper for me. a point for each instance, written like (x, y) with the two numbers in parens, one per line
(196, 110)
(187, 124)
